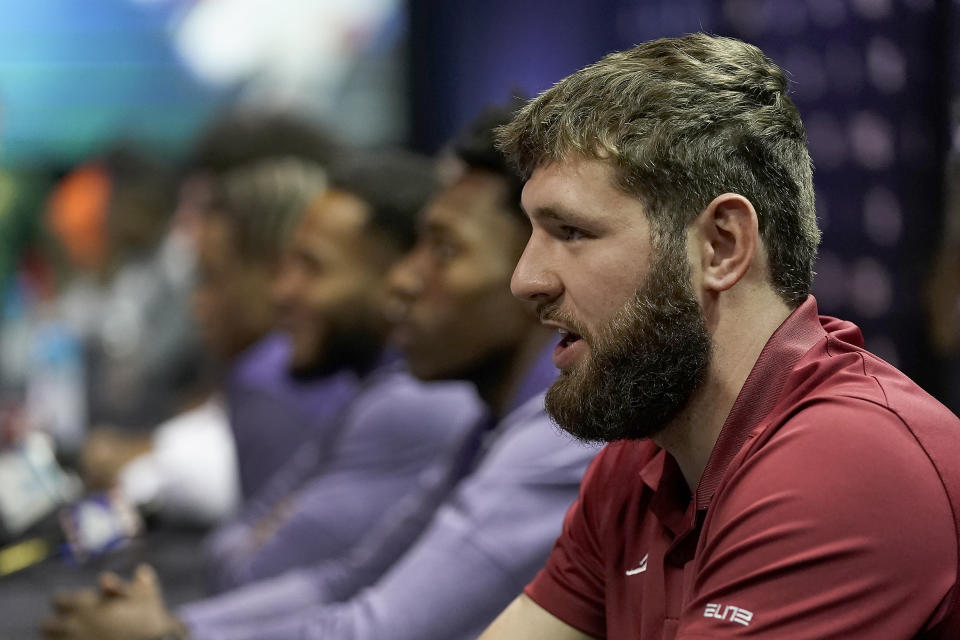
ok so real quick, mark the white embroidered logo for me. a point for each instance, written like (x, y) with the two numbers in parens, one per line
(729, 613)
(641, 568)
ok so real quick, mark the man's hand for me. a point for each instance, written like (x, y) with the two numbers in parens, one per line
(118, 611)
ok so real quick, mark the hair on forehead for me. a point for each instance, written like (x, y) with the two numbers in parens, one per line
(244, 137)
(394, 183)
(476, 146)
(262, 202)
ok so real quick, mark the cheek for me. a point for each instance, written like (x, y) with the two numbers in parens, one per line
(250, 297)
(208, 305)
(484, 319)
(505, 321)
(344, 300)
(599, 290)
(450, 302)
(330, 296)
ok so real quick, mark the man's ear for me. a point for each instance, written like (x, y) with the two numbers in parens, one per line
(728, 239)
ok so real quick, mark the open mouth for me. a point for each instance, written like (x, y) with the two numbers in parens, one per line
(569, 349)
(568, 337)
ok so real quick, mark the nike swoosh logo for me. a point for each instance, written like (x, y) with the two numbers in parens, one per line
(641, 568)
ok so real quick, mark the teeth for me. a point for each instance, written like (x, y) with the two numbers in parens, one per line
(564, 333)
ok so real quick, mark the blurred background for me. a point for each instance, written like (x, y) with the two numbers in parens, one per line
(101, 102)
(119, 117)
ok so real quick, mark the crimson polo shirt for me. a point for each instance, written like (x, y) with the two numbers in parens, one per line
(827, 510)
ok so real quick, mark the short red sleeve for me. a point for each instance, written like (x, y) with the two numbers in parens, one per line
(837, 527)
(571, 586)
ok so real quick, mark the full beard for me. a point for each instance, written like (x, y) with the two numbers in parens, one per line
(643, 366)
(349, 345)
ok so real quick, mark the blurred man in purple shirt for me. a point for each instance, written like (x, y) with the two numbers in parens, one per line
(394, 430)
(443, 563)
(246, 182)
(242, 228)
(238, 230)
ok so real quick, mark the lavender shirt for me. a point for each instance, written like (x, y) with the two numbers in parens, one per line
(397, 436)
(485, 542)
(271, 414)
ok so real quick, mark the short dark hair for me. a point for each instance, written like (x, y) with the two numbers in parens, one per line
(241, 138)
(262, 202)
(395, 184)
(683, 120)
(476, 147)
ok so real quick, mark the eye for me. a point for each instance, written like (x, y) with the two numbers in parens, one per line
(311, 264)
(443, 250)
(570, 234)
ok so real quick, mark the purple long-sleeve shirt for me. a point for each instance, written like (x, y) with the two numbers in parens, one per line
(398, 435)
(485, 542)
(272, 415)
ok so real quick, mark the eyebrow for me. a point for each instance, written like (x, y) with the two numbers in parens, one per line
(307, 253)
(557, 214)
(434, 227)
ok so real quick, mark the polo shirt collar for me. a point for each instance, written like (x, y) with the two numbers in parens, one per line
(652, 472)
(760, 392)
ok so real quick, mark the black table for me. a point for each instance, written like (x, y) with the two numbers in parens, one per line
(175, 554)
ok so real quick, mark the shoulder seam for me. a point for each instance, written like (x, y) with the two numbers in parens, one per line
(866, 374)
(886, 400)
(953, 514)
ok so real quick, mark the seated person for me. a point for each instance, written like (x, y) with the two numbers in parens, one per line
(766, 477)
(292, 156)
(188, 469)
(418, 575)
(396, 433)
(126, 296)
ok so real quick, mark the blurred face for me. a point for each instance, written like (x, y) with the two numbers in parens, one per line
(449, 297)
(232, 296)
(633, 344)
(329, 287)
(193, 199)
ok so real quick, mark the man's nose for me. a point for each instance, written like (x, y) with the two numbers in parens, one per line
(284, 284)
(535, 278)
(405, 280)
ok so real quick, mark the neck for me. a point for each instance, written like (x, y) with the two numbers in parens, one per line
(741, 327)
(499, 379)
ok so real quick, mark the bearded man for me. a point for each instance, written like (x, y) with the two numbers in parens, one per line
(766, 476)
